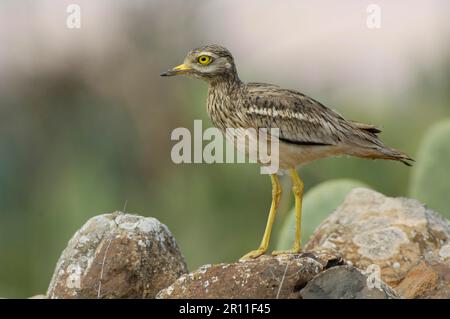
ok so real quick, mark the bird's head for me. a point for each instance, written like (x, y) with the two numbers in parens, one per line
(210, 63)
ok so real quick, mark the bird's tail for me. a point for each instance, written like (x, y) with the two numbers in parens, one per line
(383, 152)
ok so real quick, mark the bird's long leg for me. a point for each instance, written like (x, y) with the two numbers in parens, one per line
(297, 189)
(276, 195)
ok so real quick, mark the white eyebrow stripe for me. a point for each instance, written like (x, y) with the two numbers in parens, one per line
(208, 54)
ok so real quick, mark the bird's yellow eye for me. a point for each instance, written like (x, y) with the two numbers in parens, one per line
(204, 59)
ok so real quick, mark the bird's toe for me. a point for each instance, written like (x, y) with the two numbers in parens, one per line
(253, 254)
(286, 252)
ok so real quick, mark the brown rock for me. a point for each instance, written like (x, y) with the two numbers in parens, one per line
(266, 277)
(426, 280)
(393, 233)
(117, 256)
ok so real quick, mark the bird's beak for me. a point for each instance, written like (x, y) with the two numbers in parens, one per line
(182, 68)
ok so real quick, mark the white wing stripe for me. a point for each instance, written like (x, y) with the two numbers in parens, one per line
(281, 113)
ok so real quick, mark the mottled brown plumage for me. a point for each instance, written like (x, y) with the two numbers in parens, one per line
(307, 129)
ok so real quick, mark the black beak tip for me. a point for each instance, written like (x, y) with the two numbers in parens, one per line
(164, 74)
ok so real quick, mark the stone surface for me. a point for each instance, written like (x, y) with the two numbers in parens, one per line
(346, 282)
(117, 256)
(393, 233)
(426, 280)
(266, 277)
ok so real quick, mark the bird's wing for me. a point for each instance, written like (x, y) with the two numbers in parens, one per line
(301, 119)
(367, 127)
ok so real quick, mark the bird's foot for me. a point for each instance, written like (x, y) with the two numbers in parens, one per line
(253, 254)
(295, 250)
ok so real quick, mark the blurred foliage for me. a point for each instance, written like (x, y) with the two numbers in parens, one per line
(319, 202)
(91, 134)
(431, 180)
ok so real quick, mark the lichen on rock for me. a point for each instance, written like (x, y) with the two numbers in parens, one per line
(117, 256)
(396, 234)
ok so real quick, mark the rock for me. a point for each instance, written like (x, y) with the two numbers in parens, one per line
(265, 277)
(346, 282)
(117, 256)
(394, 233)
(426, 280)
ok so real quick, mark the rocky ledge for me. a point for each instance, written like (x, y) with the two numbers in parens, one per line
(371, 246)
(309, 275)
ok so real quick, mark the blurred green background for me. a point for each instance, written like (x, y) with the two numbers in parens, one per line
(85, 119)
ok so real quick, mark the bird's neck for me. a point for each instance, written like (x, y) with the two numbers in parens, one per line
(221, 101)
(226, 83)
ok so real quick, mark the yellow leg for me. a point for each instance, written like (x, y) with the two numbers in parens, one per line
(276, 194)
(297, 189)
